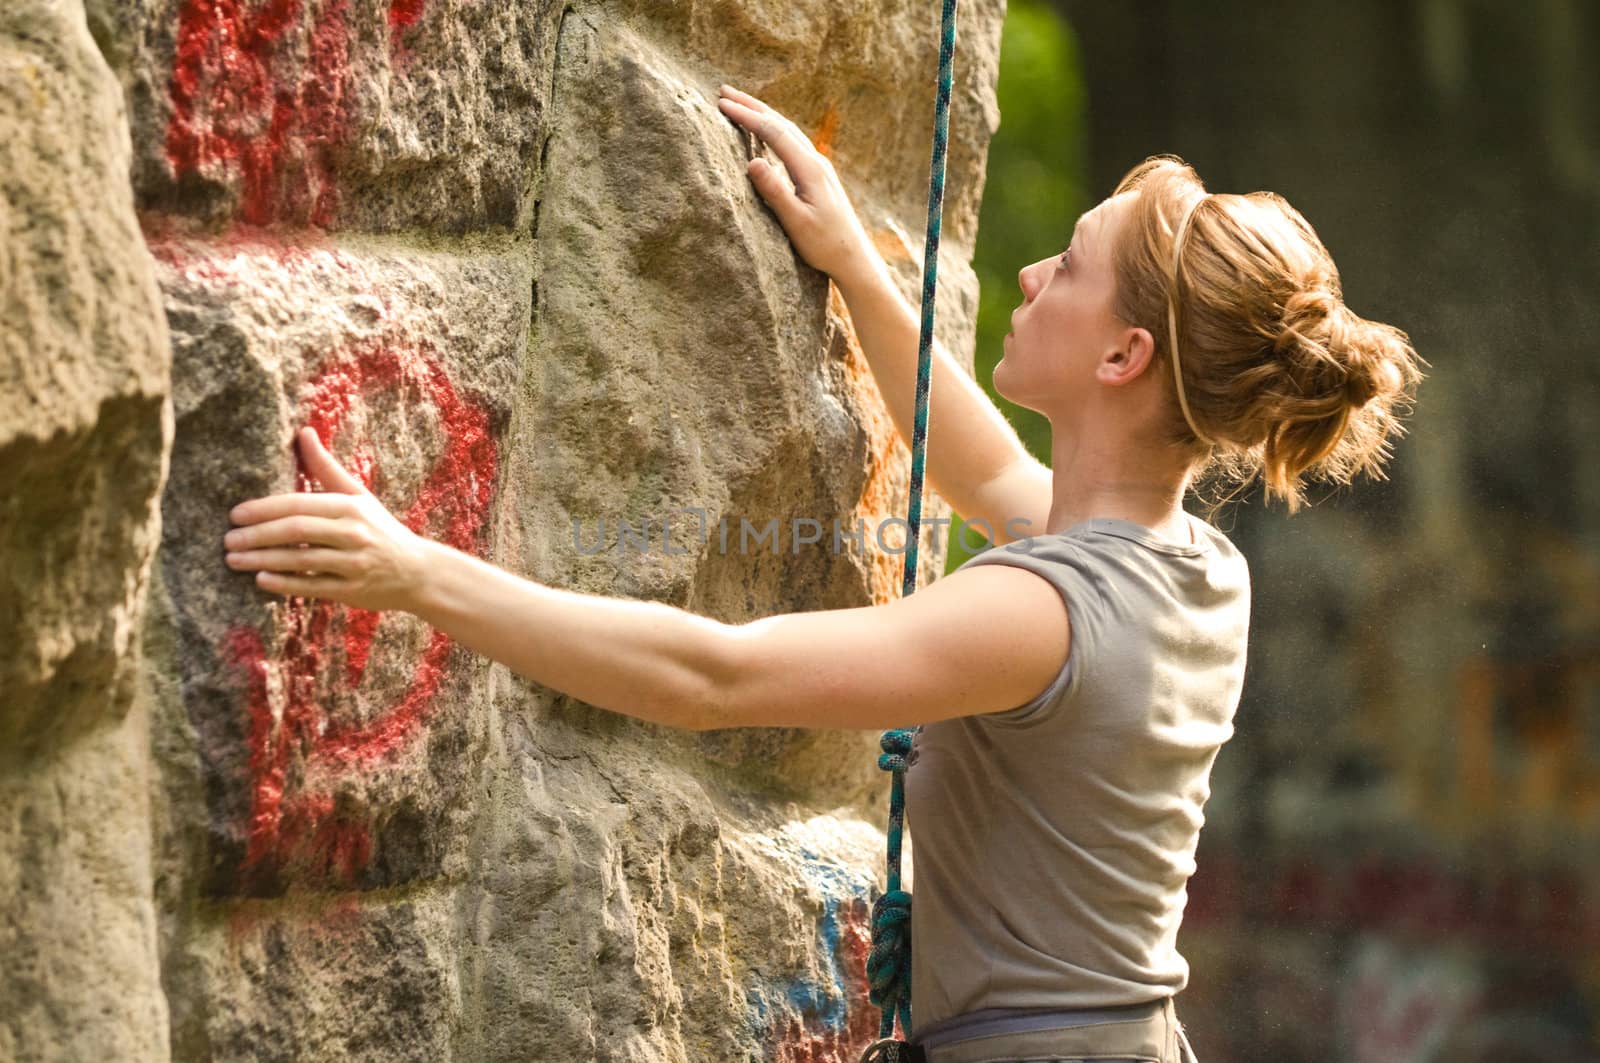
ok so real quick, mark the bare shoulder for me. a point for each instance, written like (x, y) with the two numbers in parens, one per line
(1014, 601)
(1010, 622)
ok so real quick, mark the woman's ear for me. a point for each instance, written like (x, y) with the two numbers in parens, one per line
(1135, 349)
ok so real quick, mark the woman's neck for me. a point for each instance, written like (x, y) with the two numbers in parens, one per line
(1110, 482)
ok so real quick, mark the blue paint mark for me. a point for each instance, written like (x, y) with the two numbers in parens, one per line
(819, 1003)
(810, 998)
(829, 1005)
(758, 1021)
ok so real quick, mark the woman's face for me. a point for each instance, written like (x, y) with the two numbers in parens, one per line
(1065, 323)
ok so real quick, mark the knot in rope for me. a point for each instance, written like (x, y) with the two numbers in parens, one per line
(889, 962)
(896, 746)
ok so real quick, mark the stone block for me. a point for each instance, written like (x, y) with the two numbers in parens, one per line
(84, 431)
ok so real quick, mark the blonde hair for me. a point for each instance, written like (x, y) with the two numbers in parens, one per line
(1272, 374)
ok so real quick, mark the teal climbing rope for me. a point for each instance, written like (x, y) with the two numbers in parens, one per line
(889, 961)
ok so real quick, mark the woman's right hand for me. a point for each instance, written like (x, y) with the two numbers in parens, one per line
(814, 211)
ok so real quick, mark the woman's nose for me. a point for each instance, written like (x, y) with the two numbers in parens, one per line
(1026, 282)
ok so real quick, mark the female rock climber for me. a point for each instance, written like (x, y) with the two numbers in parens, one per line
(1069, 733)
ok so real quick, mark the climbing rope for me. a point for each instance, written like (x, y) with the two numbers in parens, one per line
(889, 961)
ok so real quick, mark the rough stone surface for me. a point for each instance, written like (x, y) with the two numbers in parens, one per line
(505, 257)
(84, 432)
(365, 342)
(369, 114)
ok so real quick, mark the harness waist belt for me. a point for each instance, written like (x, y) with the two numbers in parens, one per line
(1137, 1033)
(990, 1021)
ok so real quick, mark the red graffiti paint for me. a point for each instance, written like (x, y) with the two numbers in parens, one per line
(404, 14)
(255, 98)
(300, 744)
(842, 1034)
(260, 93)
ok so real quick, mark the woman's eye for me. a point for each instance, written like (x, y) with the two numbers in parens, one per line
(1062, 261)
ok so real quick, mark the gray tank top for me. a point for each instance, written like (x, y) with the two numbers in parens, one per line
(1052, 843)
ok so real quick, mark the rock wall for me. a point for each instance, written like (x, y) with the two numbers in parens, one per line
(84, 436)
(505, 256)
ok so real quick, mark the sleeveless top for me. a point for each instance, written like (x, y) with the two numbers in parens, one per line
(1052, 842)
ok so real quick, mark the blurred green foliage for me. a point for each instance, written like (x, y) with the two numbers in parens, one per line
(1033, 194)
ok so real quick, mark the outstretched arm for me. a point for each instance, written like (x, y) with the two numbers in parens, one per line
(915, 660)
(912, 661)
(974, 458)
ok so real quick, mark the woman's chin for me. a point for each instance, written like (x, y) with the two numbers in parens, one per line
(1002, 387)
(1001, 377)
(998, 379)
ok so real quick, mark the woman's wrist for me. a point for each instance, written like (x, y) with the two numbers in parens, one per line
(435, 568)
(863, 271)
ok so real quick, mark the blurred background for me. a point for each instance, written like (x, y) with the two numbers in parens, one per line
(1399, 861)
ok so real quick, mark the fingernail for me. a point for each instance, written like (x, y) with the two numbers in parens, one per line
(724, 88)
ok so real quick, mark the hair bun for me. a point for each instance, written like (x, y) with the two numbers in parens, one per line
(1376, 360)
(1362, 367)
(1327, 349)
(1317, 301)
(1312, 342)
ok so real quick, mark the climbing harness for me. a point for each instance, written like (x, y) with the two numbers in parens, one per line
(1119, 1033)
(889, 961)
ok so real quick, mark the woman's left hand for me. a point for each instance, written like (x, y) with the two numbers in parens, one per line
(340, 544)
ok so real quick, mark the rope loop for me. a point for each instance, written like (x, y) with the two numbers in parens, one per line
(896, 747)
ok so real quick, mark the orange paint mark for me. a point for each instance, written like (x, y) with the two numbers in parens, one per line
(826, 131)
(881, 495)
(891, 244)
